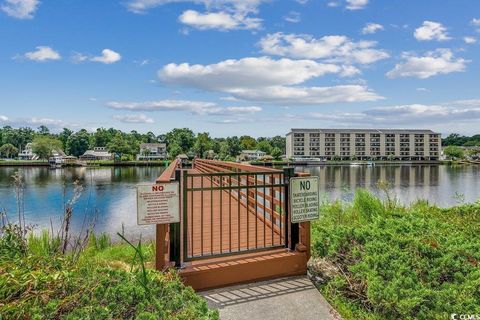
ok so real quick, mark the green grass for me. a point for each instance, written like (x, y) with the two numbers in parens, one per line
(23, 162)
(102, 163)
(104, 283)
(380, 260)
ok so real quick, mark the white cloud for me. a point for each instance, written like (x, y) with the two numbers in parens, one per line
(78, 57)
(218, 20)
(20, 9)
(336, 48)
(239, 6)
(36, 121)
(293, 17)
(469, 40)
(141, 63)
(42, 53)
(108, 56)
(267, 80)
(440, 61)
(194, 107)
(308, 95)
(133, 118)
(302, 2)
(220, 14)
(46, 122)
(407, 115)
(230, 74)
(356, 4)
(475, 22)
(431, 30)
(370, 28)
(422, 89)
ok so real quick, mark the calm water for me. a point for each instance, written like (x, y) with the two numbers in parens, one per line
(442, 185)
(110, 192)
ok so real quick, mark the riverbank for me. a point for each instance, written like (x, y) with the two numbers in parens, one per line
(111, 163)
(100, 163)
(361, 163)
(376, 259)
(104, 282)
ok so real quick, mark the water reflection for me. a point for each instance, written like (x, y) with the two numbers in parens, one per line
(110, 192)
(109, 195)
(437, 184)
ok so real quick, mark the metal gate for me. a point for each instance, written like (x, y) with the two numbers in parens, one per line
(228, 209)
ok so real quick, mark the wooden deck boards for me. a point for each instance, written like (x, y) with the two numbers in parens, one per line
(217, 223)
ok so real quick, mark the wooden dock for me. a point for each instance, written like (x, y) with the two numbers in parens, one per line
(234, 225)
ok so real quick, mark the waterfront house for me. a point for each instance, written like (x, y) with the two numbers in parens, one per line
(98, 153)
(152, 151)
(27, 153)
(251, 155)
(59, 158)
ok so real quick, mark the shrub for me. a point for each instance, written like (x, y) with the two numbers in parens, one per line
(416, 262)
(37, 282)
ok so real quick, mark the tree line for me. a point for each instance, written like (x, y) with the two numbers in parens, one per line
(456, 139)
(126, 145)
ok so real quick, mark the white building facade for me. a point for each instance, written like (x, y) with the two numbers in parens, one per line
(363, 144)
(152, 151)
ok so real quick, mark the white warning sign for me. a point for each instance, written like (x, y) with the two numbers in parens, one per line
(304, 199)
(158, 203)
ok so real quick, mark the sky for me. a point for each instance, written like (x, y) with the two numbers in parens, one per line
(235, 67)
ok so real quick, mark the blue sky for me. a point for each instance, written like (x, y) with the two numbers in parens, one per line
(233, 67)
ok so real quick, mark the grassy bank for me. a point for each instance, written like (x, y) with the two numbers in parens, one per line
(103, 282)
(101, 163)
(376, 259)
(14, 163)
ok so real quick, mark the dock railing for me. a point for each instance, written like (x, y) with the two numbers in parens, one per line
(232, 208)
(163, 230)
(228, 208)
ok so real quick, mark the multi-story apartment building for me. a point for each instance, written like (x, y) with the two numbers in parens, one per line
(364, 144)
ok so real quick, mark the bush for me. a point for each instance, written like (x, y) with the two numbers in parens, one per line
(38, 284)
(394, 262)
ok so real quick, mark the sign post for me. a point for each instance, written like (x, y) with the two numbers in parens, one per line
(304, 199)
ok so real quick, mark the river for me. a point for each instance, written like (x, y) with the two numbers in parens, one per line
(109, 192)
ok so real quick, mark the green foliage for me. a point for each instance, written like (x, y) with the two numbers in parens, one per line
(395, 262)
(44, 244)
(64, 135)
(8, 150)
(277, 153)
(248, 143)
(17, 137)
(126, 145)
(455, 139)
(454, 152)
(38, 284)
(44, 145)
(203, 143)
(101, 242)
(233, 146)
(180, 140)
(78, 143)
(264, 146)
